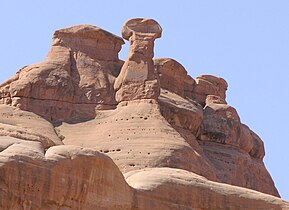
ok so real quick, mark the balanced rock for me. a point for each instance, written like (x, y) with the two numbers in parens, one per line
(137, 78)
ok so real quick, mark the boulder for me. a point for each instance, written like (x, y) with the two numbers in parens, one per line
(209, 85)
(173, 77)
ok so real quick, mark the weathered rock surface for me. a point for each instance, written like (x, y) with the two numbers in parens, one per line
(234, 150)
(174, 77)
(141, 139)
(222, 125)
(58, 179)
(236, 167)
(175, 138)
(75, 79)
(180, 112)
(167, 188)
(65, 177)
(27, 126)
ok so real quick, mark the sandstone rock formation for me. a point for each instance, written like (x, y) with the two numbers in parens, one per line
(59, 179)
(85, 130)
(167, 188)
(174, 77)
(136, 136)
(28, 126)
(137, 79)
(75, 79)
(209, 85)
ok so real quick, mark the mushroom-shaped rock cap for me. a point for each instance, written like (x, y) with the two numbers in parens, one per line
(144, 26)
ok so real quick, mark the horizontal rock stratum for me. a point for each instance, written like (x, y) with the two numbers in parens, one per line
(86, 130)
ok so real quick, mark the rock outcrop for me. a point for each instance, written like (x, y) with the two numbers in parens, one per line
(28, 126)
(174, 77)
(75, 79)
(136, 136)
(209, 85)
(85, 130)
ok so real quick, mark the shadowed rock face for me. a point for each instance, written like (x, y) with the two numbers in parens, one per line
(83, 130)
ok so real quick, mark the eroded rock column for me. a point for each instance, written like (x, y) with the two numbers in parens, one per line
(137, 79)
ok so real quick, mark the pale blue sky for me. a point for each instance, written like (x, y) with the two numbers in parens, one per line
(245, 42)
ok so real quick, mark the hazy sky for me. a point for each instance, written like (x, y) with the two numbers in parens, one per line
(245, 42)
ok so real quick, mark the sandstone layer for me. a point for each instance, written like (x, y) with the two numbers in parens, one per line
(85, 130)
